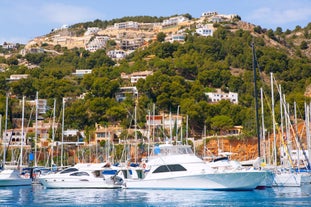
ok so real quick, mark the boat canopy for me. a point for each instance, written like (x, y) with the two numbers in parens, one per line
(169, 149)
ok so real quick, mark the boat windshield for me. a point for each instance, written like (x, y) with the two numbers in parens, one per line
(69, 170)
(168, 149)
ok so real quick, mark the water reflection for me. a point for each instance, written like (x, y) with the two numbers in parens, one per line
(38, 196)
(75, 196)
(15, 195)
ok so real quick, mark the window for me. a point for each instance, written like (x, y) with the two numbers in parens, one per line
(80, 174)
(169, 168)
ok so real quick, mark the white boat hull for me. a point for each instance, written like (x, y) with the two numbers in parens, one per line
(80, 182)
(287, 180)
(217, 181)
(12, 178)
(15, 182)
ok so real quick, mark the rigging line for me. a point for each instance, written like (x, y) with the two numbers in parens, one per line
(286, 116)
(297, 139)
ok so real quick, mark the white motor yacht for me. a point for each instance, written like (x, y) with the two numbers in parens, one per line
(177, 167)
(81, 176)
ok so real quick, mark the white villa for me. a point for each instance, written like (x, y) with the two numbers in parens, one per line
(205, 30)
(116, 54)
(126, 25)
(217, 96)
(174, 20)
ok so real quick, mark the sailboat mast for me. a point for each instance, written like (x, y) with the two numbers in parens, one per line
(62, 146)
(273, 120)
(263, 125)
(5, 128)
(153, 125)
(149, 132)
(53, 134)
(256, 98)
(187, 129)
(135, 115)
(22, 139)
(36, 132)
(177, 123)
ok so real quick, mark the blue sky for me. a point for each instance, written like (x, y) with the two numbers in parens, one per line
(22, 20)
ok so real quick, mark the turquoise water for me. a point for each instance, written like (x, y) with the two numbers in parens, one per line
(37, 196)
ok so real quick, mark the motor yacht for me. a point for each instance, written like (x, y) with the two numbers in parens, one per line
(177, 167)
(81, 176)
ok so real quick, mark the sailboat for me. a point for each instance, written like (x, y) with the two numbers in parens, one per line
(12, 177)
(284, 174)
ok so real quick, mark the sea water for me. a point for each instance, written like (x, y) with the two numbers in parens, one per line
(36, 195)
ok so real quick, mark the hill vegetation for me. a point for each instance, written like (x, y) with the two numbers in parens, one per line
(183, 72)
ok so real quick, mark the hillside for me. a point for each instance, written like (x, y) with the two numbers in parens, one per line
(70, 38)
(184, 64)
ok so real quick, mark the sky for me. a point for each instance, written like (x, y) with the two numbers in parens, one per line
(23, 20)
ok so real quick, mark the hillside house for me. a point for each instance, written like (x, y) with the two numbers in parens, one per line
(110, 133)
(140, 75)
(92, 31)
(135, 76)
(205, 29)
(165, 120)
(176, 37)
(126, 25)
(97, 43)
(14, 136)
(116, 54)
(82, 72)
(7, 45)
(208, 14)
(174, 20)
(16, 77)
(131, 44)
(42, 105)
(125, 92)
(217, 96)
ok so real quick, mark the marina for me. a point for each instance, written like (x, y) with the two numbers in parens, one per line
(203, 109)
(36, 195)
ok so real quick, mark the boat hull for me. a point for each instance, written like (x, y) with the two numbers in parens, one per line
(77, 183)
(287, 180)
(15, 182)
(12, 178)
(215, 181)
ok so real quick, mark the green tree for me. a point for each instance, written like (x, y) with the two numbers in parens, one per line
(161, 36)
(304, 45)
(221, 122)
